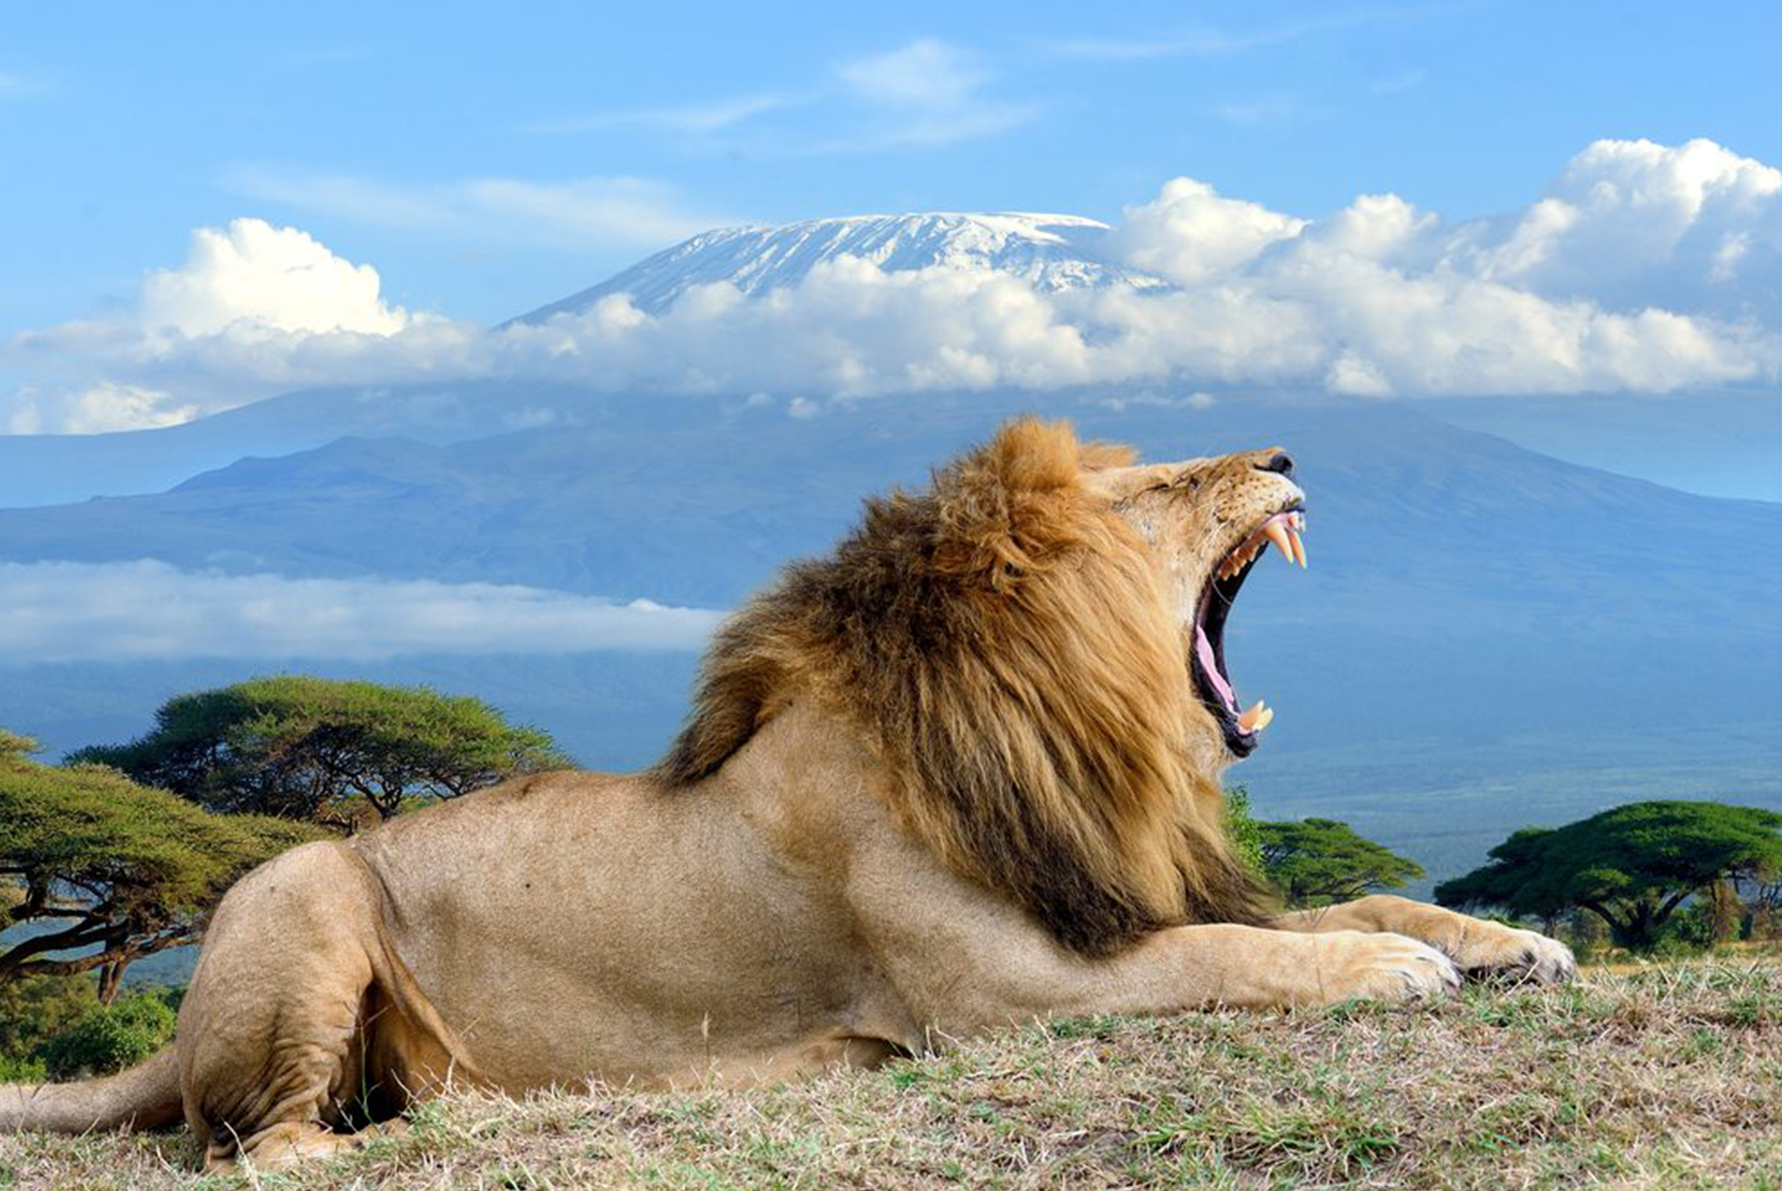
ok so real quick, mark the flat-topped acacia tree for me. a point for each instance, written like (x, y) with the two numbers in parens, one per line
(1321, 862)
(1313, 862)
(103, 871)
(343, 754)
(1632, 866)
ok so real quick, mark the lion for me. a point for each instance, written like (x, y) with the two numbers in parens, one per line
(963, 772)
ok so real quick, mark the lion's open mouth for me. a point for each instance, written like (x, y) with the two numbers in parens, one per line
(1207, 661)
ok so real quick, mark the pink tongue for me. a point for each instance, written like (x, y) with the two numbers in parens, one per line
(1203, 649)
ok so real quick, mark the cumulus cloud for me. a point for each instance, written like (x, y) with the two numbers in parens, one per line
(1635, 224)
(1643, 268)
(61, 612)
(1189, 233)
(1378, 299)
(257, 277)
(255, 309)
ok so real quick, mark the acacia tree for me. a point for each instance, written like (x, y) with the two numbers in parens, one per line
(1319, 862)
(100, 871)
(337, 753)
(1631, 866)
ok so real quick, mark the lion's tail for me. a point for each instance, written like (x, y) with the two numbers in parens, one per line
(144, 1097)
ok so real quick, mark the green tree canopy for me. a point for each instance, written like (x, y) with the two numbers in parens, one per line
(1319, 862)
(102, 870)
(1631, 866)
(326, 751)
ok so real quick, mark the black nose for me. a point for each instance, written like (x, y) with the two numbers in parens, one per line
(1282, 462)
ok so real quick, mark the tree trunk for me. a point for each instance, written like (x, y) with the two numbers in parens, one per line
(1729, 911)
(111, 980)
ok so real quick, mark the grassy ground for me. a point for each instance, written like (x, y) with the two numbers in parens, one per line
(1661, 1077)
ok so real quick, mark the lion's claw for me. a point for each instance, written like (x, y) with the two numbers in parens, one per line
(1520, 955)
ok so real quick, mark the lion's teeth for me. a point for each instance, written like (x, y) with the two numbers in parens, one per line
(1299, 549)
(1256, 718)
(1277, 533)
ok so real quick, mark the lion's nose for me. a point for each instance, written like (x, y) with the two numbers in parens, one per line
(1281, 462)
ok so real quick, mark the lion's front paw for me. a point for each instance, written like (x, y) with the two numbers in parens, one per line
(1384, 967)
(1519, 954)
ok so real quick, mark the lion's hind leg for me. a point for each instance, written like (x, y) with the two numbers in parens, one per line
(278, 1034)
(1477, 947)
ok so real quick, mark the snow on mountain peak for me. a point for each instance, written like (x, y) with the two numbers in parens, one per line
(1051, 252)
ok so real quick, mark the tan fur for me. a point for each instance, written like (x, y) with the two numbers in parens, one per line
(952, 777)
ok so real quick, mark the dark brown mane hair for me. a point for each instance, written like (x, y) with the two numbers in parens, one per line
(1004, 642)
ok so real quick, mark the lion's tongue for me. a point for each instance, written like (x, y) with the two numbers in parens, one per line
(1203, 649)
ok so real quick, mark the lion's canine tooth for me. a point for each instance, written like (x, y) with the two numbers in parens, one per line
(1256, 718)
(1299, 548)
(1277, 533)
(1265, 719)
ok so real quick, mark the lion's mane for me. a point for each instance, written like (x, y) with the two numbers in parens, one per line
(1005, 644)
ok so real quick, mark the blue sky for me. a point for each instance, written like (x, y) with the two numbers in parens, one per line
(388, 132)
(208, 204)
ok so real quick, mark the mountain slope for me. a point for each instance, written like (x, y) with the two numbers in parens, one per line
(1053, 252)
(716, 494)
(49, 469)
(1459, 584)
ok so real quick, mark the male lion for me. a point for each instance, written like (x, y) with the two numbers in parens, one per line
(960, 773)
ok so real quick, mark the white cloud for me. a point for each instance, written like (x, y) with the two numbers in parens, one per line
(924, 94)
(62, 611)
(1399, 83)
(1378, 299)
(1189, 233)
(1643, 268)
(105, 407)
(259, 277)
(927, 93)
(253, 310)
(1265, 109)
(1633, 223)
(925, 73)
(1206, 41)
(17, 84)
(694, 119)
(579, 214)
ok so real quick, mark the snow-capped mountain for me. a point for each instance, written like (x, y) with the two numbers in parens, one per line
(1053, 252)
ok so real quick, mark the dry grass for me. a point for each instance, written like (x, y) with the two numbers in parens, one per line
(1667, 1077)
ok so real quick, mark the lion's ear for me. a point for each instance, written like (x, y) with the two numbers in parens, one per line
(1120, 483)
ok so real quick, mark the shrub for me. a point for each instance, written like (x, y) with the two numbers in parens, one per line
(111, 1038)
(14, 1070)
